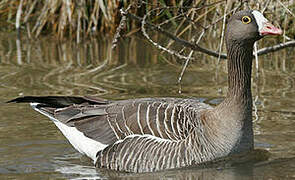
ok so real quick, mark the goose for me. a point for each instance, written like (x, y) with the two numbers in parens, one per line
(152, 134)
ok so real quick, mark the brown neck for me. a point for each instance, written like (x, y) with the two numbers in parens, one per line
(234, 114)
(239, 75)
(239, 71)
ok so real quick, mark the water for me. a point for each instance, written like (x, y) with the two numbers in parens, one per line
(31, 147)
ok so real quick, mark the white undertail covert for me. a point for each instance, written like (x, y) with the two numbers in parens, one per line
(83, 144)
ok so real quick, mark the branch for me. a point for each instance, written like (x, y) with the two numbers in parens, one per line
(196, 47)
(277, 47)
(176, 39)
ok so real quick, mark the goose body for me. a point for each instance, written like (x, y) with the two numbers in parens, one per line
(149, 134)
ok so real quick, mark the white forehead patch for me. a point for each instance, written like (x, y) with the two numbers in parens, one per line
(260, 19)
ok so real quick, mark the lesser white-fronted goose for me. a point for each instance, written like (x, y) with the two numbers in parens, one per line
(142, 135)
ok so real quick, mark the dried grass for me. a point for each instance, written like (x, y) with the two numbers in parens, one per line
(80, 18)
(63, 17)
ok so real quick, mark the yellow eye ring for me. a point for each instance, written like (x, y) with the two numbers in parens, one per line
(246, 19)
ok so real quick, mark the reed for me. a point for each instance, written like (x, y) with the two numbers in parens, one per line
(81, 18)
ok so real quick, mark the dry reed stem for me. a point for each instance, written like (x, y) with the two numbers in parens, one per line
(18, 14)
(222, 34)
(61, 16)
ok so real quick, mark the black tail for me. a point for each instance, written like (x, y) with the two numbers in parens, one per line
(57, 101)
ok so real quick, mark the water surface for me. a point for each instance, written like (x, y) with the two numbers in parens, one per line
(31, 147)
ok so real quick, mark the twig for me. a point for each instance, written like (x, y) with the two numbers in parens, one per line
(208, 51)
(29, 12)
(221, 18)
(18, 50)
(265, 6)
(180, 41)
(120, 27)
(222, 34)
(185, 66)
(18, 15)
(188, 59)
(286, 8)
(143, 22)
(256, 57)
(78, 25)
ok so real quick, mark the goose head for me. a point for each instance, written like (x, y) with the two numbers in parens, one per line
(249, 26)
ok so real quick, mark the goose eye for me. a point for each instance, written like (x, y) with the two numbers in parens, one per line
(246, 19)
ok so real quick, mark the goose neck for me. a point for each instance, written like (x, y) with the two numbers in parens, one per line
(239, 66)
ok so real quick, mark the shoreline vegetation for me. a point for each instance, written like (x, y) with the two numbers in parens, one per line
(186, 23)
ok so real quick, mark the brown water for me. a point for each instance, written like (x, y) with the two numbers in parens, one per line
(31, 147)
